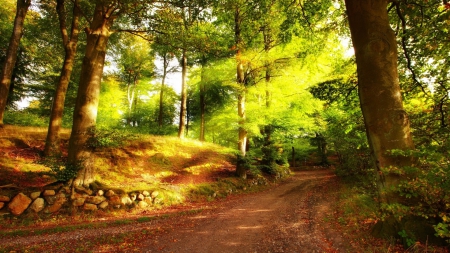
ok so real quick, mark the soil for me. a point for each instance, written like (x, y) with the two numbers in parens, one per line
(290, 217)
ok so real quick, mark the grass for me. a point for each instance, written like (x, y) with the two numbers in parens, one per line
(182, 171)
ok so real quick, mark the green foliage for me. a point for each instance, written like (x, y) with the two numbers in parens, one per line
(60, 169)
(409, 241)
(108, 138)
(24, 118)
(425, 189)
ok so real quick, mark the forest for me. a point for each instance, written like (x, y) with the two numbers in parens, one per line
(364, 86)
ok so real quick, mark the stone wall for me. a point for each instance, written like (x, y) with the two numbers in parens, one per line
(55, 198)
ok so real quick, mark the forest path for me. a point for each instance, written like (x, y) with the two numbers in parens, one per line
(287, 218)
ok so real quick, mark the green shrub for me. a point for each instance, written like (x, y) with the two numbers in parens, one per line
(24, 118)
(108, 138)
(426, 189)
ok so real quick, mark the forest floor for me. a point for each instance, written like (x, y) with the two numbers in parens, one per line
(312, 210)
(290, 217)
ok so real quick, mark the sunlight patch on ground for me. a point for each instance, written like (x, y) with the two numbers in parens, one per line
(249, 228)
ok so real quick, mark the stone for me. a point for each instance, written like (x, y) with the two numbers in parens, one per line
(38, 205)
(142, 204)
(50, 199)
(148, 200)
(146, 193)
(126, 200)
(95, 199)
(49, 193)
(2, 205)
(78, 202)
(103, 205)
(84, 190)
(89, 207)
(115, 200)
(4, 198)
(56, 206)
(35, 195)
(100, 193)
(110, 193)
(133, 196)
(19, 204)
(140, 197)
(155, 194)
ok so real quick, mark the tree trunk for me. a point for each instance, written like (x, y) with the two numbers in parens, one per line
(182, 125)
(85, 114)
(161, 93)
(11, 54)
(202, 106)
(386, 122)
(70, 47)
(240, 79)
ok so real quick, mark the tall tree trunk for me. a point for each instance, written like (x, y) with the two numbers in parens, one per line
(161, 93)
(202, 104)
(70, 48)
(182, 125)
(85, 114)
(386, 122)
(240, 79)
(11, 54)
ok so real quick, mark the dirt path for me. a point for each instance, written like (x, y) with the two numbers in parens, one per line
(287, 218)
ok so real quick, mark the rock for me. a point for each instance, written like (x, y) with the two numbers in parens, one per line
(38, 205)
(110, 193)
(57, 205)
(50, 199)
(155, 194)
(146, 193)
(126, 200)
(142, 204)
(90, 207)
(49, 193)
(95, 199)
(2, 205)
(100, 193)
(115, 200)
(78, 202)
(19, 204)
(148, 200)
(140, 197)
(35, 195)
(83, 190)
(4, 198)
(103, 205)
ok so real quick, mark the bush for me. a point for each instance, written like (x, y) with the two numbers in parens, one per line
(108, 138)
(24, 118)
(427, 187)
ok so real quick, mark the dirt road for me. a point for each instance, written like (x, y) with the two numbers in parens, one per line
(286, 218)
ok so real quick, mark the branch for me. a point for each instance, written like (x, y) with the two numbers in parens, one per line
(405, 49)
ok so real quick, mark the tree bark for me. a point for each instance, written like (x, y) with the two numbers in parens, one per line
(202, 106)
(85, 114)
(240, 79)
(182, 125)
(70, 48)
(386, 122)
(161, 93)
(11, 54)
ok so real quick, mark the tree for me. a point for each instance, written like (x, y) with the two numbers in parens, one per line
(135, 62)
(386, 122)
(11, 54)
(70, 42)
